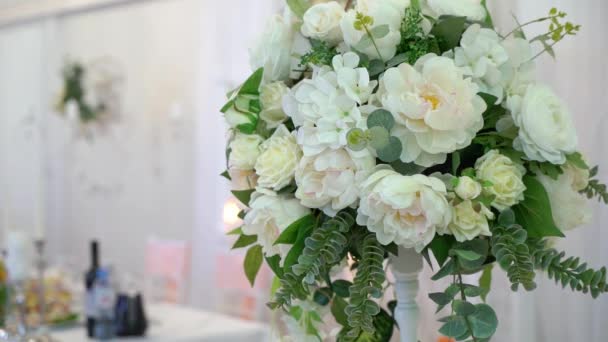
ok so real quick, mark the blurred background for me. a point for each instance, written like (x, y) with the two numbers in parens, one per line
(146, 183)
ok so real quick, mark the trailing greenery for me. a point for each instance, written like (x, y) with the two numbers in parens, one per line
(74, 91)
(595, 188)
(368, 284)
(568, 271)
(414, 42)
(321, 54)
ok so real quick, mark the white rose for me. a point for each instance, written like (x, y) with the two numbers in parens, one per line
(467, 188)
(329, 180)
(569, 207)
(277, 163)
(384, 12)
(481, 55)
(243, 179)
(271, 99)
(469, 220)
(472, 9)
(505, 177)
(546, 130)
(322, 21)
(273, 50)
(270, 215)
(244, 151)
(235, 118)
(406, 210)
(436, 109)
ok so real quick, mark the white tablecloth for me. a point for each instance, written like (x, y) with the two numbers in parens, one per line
(170, 323)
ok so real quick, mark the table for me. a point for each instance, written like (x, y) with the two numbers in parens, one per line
(171, 323)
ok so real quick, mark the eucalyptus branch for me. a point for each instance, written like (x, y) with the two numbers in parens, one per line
(463, 296)
(547, 48)
(539, 20)
(373, 41)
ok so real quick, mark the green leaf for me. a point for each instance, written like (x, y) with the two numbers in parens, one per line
(479, 247)
(488, 20)
(322, 296)
(376, 67)
(506, 218)
(298, 247)
(274, 262)
(342, 288)
(380, 31)
(290, 235)
(445, 271)
(454, 327)
(467, 255)
(441, 246)
(226, 175)
(397, 60)
(392, 152)
(356, 139)
(379, 137)
(299, 7)
(440, 298)
(577, 160)
(534, 212)
(407, 169)
(449, 30)
(253, 262)
(489, 99)
(338, 305)
(382, 118)
(483, 321)
(485, 281)
(455, 162)
(244, 196)
(244, 241)
(252, 84)
(235, 231)
(463, 308)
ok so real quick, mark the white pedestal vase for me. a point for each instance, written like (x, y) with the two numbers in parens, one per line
(406, 268)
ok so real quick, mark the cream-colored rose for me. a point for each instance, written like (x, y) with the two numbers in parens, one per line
(546, 130)
(570, 208)
(270, 215)
(322, 22)
(505, 176)
(277, 163)
(469, 220)
(271, 99)
(472, 9)
(406, 210)
(437, 109)
(329, 180)
(244, 151)
(384, 12)
(273, 48)
(467, 188)
(243, 179)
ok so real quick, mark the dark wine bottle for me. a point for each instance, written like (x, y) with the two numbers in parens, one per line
(90, 277)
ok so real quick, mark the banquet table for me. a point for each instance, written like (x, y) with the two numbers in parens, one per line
(171, 323)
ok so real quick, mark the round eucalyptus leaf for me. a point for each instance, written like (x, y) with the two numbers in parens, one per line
(381, 117)
(483, 321)
(378, 137)
(392, 151)
(356, 139)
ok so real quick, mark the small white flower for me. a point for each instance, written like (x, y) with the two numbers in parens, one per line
(270, 215)
(322, 21)
(271, 99)
(469, 220)
(436, 109)
(329, 180)
(277, 162)
(406, 210)
(472, 9)
(352, 79)
(273, 50)
(505, 177)
(519, 70)
(546, 130)
(481, 56)
(244, 151)
(570, 208)
(467, 188)
(384, 12)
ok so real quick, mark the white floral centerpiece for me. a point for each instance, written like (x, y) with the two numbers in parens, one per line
(373, 125)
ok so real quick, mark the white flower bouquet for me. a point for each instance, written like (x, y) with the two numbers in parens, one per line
(371, 125)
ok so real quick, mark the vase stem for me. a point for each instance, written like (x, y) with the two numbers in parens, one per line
(406, 268)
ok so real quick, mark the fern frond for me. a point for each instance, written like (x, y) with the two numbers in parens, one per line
(368, 284)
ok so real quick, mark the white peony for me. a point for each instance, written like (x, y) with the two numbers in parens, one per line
(277, 162)
(270, 215)
(271, 99)
(406, 210)
(546, 130)
(467, 188)
(469, 220)
(505, 178)
(273, 50)
(472, 9)
(322, 21)
(519, 70)
(384, 12)
(354, 81)
(481, 56)
(244, 151)
(436, 109)
(569, 207)
(329, 180)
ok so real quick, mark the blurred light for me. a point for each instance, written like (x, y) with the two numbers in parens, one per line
(231, 213)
